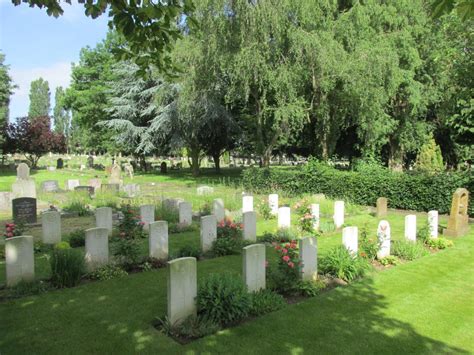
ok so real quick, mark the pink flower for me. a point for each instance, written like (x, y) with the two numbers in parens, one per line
(142, 223)
(10, 234)
(291, 264)
(286, 258)
(9, 229)
(287, 245)
(284, 251)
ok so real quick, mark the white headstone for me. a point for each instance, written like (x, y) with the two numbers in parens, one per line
(185, 213)
(284, 217)
(309, 258)
(50, 186)
(338, 213)
(247, 203)
(182, 289)
(71, 184)
(97, 247)
(410, 227)
(103, 218)
(254, 267)
(350, 239)
(5, 200)
(23, 171)
(51, 225)
(249, 220)
(158, 241)
(147, 215)
(383, 236)
(218, 209)
(204, 190)
(208, 232)
(433, 223)
(273, 203)
(24, 188)
(315, 215)
(19, 259)
(172, 204)
(131, 190)
(115, 175)
(95, 183)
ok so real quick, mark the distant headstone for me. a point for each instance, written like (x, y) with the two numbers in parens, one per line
(458, 222)
(182, 289)
(24, 186)
(112, 188)
(204, 190)
(433, 223)
(51, 226)
(383, 236)
(350, 239)
(284, 217)
(23, 171)
(131, 190)
(129, 170)
(24, 209)
(95, 183)
(51, 168)
(247, 203)
(50, 186)
(309, 258)
(147, 215)
(315, 215)
(82, 167)
(5, 200)
(208, 232)
(185, 212)
(116, 175)
(97, 247)
(218, 209)
(273, 203)
(338, 213)
(172, 204)
(83, 188)
(254, 267)
(158, 241)
(19, 259)
(71, 184)
(90, 161)
(59, 163)
(410, 227)
(381, 207)
(249, 221)
(163, 168)
(103, 218)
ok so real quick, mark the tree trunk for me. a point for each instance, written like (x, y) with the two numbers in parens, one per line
(217, 162)
(194, 153)
(395, 156)
(266, 158)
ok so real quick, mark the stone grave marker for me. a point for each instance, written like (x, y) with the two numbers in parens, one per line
(204, 190)
(273, 204)
(59, 163)
(338, 214)
(315, 215)
(163, 168)
(112, 188)
(147, 215)
(158, 241)
(182, 289)
(90, 161)
(247, 203)
(116, 175)
(185, 212)
(218, 209)
(383, 236)
(350, 239)
(95, 183)
(253, 262)
(458, 222)
(131, 190)
(382, 207)
(97, 247)
(103, 218)
(23, 171)
(19, 259)
(208, 232)
(50, 186)
(71, 184)
(24, 186)
(410, 227)
(249, 220)
(284, 217)
(5, 200)
(129, 170)
(309, 257)
(51, 227)
(83, 188)
(433, 223)
(24, 209)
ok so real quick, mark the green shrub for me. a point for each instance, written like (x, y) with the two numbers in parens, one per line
(439, 243)
(266, 301)
(28, 288)
(108, 272)
(77, 238)
(310, 288)
(389, 260)
(189, 251)
(192, 327)
(229, 238)
(127, 252)
(40, 247)
(223, 299)
(164, 213)
(368, 246)
(423, 234)
(77, 207)
(181, 228)
(429, 158)
(408, 250)
(285, 274)
(67, 267)
(264, 210)
(285, 235)
(326, 226)
(62, 245)
(340, 263)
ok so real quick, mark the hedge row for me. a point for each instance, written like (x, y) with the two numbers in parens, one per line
(410, 191)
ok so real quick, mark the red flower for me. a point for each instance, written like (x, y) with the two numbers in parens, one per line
(10, 234)
(287, 245)
(277, 247)
(284, 251)
(286, 258)
(291, 264)
(9, 229)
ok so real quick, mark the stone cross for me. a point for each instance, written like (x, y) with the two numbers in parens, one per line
(249, 220)
(433, 223)
(382, 207)
(410, 227)
(19, 259)
(383, 236)
(338, 214)
(309, 257)
(218, 209)
(97, 247)
(208, 232)
(182, 289)
(284, 217)
(51, 226)
(350, 239)
(273, 203)
(158, 241)
(103, 218)
(253, 262)
(458, 222)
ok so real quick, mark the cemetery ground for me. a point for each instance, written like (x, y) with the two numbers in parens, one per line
(421, 306)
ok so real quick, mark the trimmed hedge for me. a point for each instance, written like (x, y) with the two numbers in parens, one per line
(410, 191)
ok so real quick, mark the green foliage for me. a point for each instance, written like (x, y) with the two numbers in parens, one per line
(439, 243)
(285, 274)
(326, 226)
(223, 299)
(265, 301)
(108, 272)
(310, 288)
(78, 202)
(39, 98)
(189, 250)
(67, 267)
(127, 252)
(77, 238)
(62, 246)
(165, 213)
(264, 210)
(389, 260)
(369, 246)
(429, 158)
(130, 226)
(28, 288)
(192, 327)
(60, 113)
(340, 263)
(408, 250)
(6, 90)
(229, 238)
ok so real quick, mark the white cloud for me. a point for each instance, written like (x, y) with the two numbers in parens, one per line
(58, 74)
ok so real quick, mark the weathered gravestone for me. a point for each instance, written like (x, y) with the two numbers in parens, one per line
(97, 247)
(87, 189)
(111, 188)
(433, 223)
(410, 227)
(5, 200)
(350, 239)
(253, 262)
(103, 218)
(129, 170)
(51, 168)
(218, 209)
(50, 186)
(315, 215)
(24, 186)
(71, 184)
(95, 183)
(204, 190)
(249, 221)
(24, 209)
(383, 237)
(116, 175)
(247, 203)
(131, 190)
(309, 258)
(458, 222)
(284, 217)
(158, 241)
(208, 232)
(51, 227)
(147, 215)
(172, 204)
(163, 168)
(90, 161)
(185, 213)
(59, 163)
(381, 207)
(182, 289)
(338, 214)
(273, 203)
(19, 259)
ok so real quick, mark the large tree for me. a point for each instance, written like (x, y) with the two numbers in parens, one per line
(39, 98)
(6, 90)
(60, 113)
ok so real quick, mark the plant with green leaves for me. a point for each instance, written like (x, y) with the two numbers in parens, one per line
(67, 267)
(342, 264)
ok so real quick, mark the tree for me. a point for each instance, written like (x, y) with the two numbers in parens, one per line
(6, 90)
(149, 27)
(60, 113)
(429, 158)
(463, 8)
(39, 98)
(34, 138)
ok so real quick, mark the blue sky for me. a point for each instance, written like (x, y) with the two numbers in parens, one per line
(37, 45)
